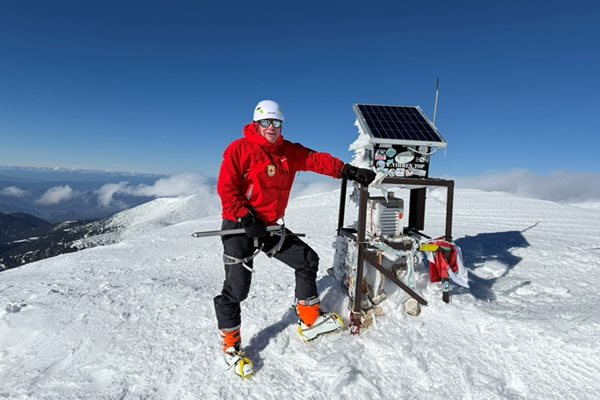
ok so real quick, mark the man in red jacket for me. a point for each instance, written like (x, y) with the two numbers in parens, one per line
(254, 184)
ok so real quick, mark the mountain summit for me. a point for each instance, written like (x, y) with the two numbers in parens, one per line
(135, 319)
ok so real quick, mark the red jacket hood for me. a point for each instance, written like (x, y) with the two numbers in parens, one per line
(253, 136)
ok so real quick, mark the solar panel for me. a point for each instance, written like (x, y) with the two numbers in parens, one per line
(405, 125)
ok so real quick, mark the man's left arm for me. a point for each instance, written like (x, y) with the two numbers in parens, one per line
(321, 163)
(326, 164)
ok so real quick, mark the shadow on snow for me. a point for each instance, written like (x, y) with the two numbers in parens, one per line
(496, 246)
(477, 250)
(327, 286)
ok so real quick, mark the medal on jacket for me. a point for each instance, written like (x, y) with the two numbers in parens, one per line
(271, 170)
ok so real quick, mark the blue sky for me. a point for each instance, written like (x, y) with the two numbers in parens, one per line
(163, 87)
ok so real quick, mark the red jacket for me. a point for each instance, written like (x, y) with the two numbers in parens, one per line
(258, 174)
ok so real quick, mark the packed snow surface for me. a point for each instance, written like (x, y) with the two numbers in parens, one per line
(135, 319)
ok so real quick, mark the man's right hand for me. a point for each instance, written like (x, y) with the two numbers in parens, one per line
(253, 226)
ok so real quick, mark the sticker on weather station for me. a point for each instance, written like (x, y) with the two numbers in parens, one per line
(391, 152)
(380, 164)
(391, 172)
(380, 154)
(416, 171)
(404, 157)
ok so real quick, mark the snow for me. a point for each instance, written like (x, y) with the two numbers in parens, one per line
(594, 205)
(31, 239)
(361, 157)
(135, 319)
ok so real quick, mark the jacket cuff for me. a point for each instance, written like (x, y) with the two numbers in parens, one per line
(242, 213)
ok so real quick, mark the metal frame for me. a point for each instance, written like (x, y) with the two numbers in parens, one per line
(416, 222)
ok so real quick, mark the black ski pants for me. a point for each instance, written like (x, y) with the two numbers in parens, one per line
(294, 252)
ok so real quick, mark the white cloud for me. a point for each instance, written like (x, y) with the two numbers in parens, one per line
(558, 186)
(56, 195)
(174, 186)
(13, 191)
(180, 185)
(106, 192)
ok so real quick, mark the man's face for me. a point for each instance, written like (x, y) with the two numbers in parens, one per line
(270, 132)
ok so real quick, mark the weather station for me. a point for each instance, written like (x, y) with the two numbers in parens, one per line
(398, 142)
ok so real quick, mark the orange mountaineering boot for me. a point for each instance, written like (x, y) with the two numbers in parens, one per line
(313, 322)
(235, 357)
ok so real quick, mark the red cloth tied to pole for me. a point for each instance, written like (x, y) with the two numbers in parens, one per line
(444, 258)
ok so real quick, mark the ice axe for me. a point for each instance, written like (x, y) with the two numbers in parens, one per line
(223, 232)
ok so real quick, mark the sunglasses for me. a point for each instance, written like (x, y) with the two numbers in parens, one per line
(266, 122)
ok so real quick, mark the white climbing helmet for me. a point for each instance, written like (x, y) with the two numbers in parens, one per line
(268, 109)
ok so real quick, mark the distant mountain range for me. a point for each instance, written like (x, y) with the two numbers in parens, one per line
(17, 226)
(25, 238)
(31, 230)
(45, 212)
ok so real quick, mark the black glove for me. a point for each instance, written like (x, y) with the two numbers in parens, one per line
(360, 175)
(253, 226)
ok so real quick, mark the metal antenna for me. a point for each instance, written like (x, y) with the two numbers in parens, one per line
(437, 93)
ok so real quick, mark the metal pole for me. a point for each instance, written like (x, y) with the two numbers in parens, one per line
(390, 275)
(449, 207)
(435, 105)
(360, 259)
(446, 290)
(416, 216)
(272, 228)
(342, 205)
